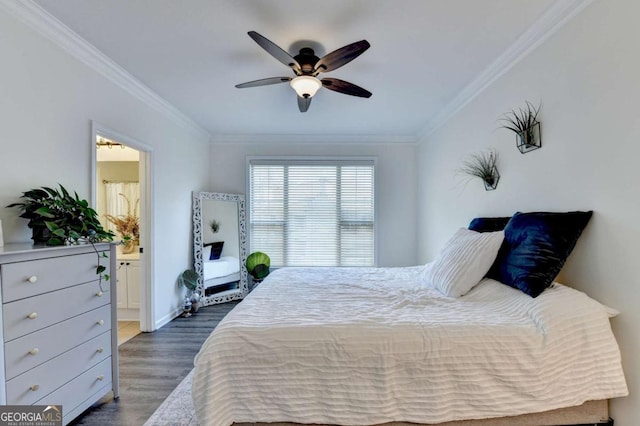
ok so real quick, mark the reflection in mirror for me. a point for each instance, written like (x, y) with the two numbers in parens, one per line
(219, 246)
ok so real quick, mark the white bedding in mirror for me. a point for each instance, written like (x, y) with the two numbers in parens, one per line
(224, 266)
(364, 346)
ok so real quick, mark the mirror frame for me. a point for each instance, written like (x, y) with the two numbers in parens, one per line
(225, 295)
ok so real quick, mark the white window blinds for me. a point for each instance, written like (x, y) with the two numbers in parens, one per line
(312, 213)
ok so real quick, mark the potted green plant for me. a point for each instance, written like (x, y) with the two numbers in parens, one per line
(484, 166)
(524, 123)
(189, 279)
(258, 264)
(57, 218)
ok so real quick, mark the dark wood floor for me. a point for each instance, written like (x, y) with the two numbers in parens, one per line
(152, 365)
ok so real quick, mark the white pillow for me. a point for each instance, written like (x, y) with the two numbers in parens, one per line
(463, 261)
(206, 253)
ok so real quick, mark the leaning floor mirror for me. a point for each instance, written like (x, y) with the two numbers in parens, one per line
(219, 246)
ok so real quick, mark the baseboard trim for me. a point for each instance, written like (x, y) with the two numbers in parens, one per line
(167, 319)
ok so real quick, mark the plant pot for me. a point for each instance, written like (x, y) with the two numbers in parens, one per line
(40, 235)
(491, 184)
(529, 139)
(128, 247)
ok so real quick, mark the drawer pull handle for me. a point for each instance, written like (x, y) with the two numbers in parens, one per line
(32, 279)
(34, 387)
(100, 322)
(99, 294)
(32, 315)
(99, 350)
(100, 377)
(34, 351)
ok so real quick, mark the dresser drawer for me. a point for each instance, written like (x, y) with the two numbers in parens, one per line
(40, 381)
(28, 315)
(33, 349)
(26, 279)
(78, 390)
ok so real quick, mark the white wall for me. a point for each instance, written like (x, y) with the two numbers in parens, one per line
(587, 77)
(47, 100)
(395, 185)
(226, 214)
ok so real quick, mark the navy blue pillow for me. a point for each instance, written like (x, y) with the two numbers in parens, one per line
(535, 248)
(488, 224)
(216, 250)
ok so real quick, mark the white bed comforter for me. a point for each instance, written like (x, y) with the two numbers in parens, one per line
(224, 266)
(366, 346)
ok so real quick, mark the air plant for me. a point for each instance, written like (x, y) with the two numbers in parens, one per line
(524, 123)
(483, 165)
(522, 120)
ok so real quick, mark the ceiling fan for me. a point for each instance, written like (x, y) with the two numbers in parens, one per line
(306, 66)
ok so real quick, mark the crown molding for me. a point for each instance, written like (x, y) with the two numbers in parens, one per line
(51, 28)
(558, 14)
(314, 138)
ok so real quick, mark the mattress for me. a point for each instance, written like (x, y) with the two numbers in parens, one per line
(363, 346)
(226, 265)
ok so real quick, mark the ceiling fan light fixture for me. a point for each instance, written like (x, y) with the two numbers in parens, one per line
(306, 86)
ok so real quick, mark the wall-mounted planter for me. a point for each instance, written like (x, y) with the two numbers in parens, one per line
(524, 123)
(529, 139)
(482, 165)
(492, 183)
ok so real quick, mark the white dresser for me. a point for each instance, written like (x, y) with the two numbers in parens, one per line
(59, 326)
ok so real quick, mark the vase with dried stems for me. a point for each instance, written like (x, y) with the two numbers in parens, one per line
(127, 226)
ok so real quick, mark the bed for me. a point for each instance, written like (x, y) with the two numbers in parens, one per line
(224, 270)
(368, 346)
(482, 335)
(219, 272)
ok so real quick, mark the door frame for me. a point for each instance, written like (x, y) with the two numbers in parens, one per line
(147, 293)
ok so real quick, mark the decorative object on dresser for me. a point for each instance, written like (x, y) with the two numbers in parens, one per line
(57, 218)
(222, 277)
(526, 126)
(484, 166)
(59, 341)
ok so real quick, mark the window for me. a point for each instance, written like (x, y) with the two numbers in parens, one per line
(312, 212)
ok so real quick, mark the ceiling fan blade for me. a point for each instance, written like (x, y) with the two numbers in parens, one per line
(275, 51)
(342, 56)
(263, 82)
(303, 103)
(345, 87)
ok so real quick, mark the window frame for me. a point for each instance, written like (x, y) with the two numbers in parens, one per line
(301, 160)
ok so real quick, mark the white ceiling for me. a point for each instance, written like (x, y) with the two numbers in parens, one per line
(423, 54)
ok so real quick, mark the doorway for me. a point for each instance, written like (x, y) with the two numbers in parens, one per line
(121, 195)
